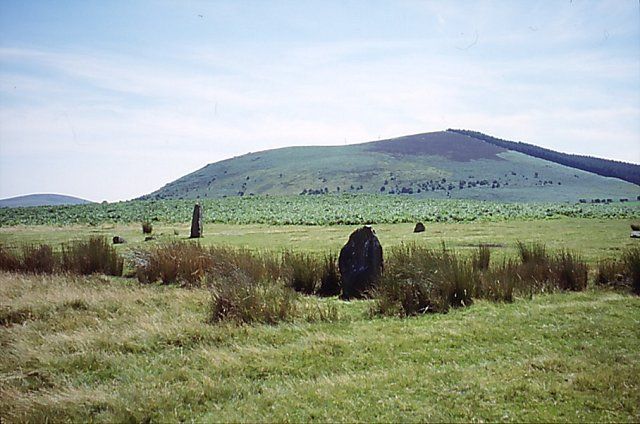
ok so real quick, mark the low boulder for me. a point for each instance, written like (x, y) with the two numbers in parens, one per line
(419, 228)
(635, 234)
(149, 238)
(360, 263)
(118, 240)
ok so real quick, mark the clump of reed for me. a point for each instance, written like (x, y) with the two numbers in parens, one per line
(622, 272)
(418, 280)
(95, 255)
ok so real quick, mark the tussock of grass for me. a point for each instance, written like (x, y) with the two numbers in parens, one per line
(498, 284)
(623, 272)
(38, 259)
(631, 259)
(417, 279)
(610, 272)
(147, 228)
(242, 300)
(481, 258)
(302, 271)
(188, 263)
(532, 253)
(540, 271)
(95, 255)
(330, 283)
(570, 271)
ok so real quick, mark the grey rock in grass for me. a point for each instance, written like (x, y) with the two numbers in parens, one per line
(196, 222)
(419, 228)
(360, 263)
(118, 240)
(635, 234)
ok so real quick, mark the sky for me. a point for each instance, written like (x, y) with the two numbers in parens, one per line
(110, 100)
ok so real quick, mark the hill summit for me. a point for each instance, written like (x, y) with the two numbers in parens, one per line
(41, 200)
(444, 164)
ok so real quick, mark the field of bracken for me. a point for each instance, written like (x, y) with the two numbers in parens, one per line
(312, 210)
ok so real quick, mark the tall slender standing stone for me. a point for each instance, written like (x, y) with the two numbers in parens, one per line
(196, 222)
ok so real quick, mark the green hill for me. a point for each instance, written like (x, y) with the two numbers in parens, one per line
(41, 200)
(442, 164)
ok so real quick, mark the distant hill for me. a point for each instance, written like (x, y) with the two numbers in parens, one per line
(41, 200)
(444, 164)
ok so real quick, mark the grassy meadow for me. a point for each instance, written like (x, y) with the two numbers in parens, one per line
(593, 238)
(109, 349)
(103, 349)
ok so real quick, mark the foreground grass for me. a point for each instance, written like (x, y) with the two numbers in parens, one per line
(108, 350)
(594, 238)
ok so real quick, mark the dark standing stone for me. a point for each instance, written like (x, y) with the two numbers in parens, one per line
(419, 228)
(196, 222)
(118, 240)
(360, 263)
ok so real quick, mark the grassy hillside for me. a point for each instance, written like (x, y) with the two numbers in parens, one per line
(435, 165)
(41, 200)
(605, 167)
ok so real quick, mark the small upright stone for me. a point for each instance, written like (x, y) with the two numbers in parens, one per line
(360, 263)
(419, 228)
(196, 222)
(118, 240)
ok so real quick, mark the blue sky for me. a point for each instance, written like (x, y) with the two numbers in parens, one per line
(113, 99)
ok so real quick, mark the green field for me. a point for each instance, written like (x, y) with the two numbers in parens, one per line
(97, 349)
(594, 239)
(108, 349)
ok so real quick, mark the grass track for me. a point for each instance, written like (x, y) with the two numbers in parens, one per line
(109, 350)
